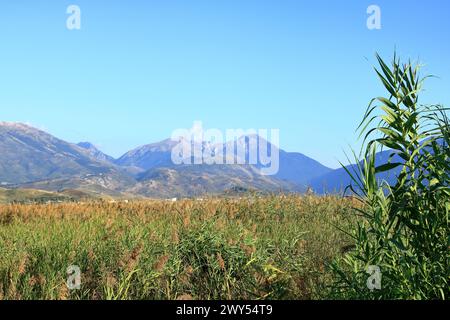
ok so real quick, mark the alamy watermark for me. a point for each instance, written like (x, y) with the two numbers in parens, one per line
(235, 146)
(374, 19)
(374, 281)
(73, 278)
(73, 22)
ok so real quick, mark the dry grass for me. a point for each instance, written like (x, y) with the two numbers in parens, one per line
(274, 247)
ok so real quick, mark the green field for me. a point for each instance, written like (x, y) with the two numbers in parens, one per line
(253, 248)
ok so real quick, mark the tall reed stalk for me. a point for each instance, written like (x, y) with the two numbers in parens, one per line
(403, 226)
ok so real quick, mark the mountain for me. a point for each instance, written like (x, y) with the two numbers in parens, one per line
(337, 180)
(149, 156)
(112, 184)
(95, 152)
(33, 158)
(42, 196)
(28, 154)
(163, 178)
(299, 169)
(197, 180)
(294, 168)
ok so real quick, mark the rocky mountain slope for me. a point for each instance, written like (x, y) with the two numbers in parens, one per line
(33, 159)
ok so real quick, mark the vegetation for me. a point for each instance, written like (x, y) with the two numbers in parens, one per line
(404, 230)
(257, 248)
(271, 247)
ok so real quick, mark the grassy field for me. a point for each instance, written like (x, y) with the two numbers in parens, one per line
(274, 247)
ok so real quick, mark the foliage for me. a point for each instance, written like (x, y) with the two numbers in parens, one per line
(404, 227)
(272, 247)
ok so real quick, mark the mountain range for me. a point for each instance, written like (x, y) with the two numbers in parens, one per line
(33, 159)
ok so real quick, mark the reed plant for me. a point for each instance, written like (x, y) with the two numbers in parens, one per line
(403, 230)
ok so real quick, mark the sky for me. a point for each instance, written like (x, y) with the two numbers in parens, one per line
(138, 70)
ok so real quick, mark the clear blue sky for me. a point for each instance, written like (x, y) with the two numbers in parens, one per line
(137, 70)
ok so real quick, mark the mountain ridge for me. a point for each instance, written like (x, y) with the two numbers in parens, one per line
(32, 158)
(95, 152)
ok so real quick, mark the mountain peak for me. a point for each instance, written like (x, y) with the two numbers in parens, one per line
(149, 155)
(86, 145)
(95, 152)
(11, 124)
(28, 154)
(254, 138)
(17, 126)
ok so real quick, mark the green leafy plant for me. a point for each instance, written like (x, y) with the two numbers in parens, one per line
(403, 227)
